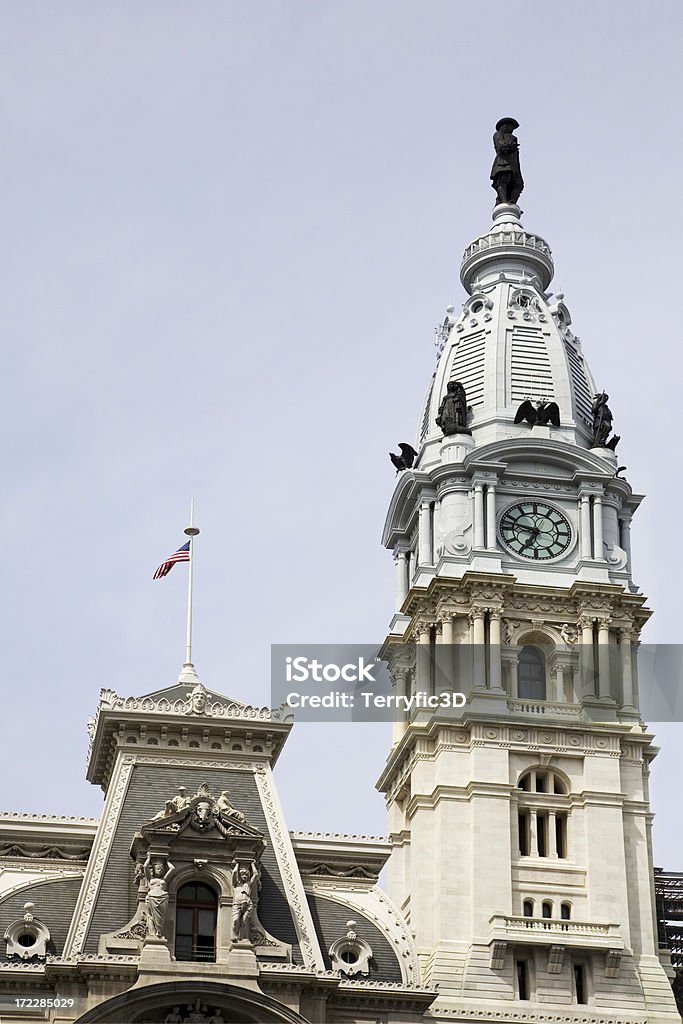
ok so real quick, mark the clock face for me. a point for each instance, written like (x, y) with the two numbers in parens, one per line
(535, 530)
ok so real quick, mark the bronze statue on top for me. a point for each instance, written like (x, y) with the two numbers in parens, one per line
(506, 176)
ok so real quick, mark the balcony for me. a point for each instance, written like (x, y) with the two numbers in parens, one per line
(556, 936)
(544, 709)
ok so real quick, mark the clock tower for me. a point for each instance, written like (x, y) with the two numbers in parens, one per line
(520, 823)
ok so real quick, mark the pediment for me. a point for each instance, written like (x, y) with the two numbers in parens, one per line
(200, 817)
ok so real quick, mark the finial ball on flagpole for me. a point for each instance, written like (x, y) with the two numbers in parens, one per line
(191, 531)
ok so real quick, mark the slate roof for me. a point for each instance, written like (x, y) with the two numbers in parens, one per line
(54, 900)
(330, 918)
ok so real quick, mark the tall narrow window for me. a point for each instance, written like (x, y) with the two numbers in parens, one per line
(522, 979)
(528, 908)
(566, 911)
(196, 913)
(531, 679)
(543, 812)
(547, 909)
(580, 983)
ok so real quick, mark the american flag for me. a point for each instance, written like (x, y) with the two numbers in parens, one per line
(181, 555)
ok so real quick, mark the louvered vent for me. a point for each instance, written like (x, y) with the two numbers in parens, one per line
(425, 415)
(468, 367)
(582, 395)
(530, 373)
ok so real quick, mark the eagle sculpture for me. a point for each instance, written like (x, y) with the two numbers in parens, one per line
(406, 459)
(542, 414)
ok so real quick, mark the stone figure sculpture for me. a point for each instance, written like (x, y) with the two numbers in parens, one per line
(568, 634)
(177, 803)
(453, 410)
(224, 806)
(506, 175)
(198, 699)
(245, 886)
(156, 900)
(602, 423)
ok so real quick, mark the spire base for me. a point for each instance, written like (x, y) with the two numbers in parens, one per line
(188, 674)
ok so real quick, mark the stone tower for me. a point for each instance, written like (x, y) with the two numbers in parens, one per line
(520, 824)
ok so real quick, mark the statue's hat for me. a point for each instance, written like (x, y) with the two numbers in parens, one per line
(507, 120)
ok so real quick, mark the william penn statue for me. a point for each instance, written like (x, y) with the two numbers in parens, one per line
(506, 176)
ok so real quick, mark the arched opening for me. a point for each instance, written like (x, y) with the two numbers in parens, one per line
(196, 916)
(531, 674)
(547, 909)
(528, 908)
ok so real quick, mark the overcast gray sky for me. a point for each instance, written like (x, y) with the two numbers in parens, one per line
(228, 230)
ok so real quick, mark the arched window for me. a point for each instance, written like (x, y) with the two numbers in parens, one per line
(196, 914)
(566, 911)
(543, 813)
(531, 674)
(546, 909)
(528, 908)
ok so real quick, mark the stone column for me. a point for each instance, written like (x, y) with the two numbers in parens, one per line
(479, 515)
(445, 653)
(533, 834)
(510, 659)
(626, 669)
(478, 640)
(425, 534)
(399, 723)
(552, 835)
(625, 539)
(585, 525)
(491, 517)
(401, 562)
(604, 684)
(494, 650)
(586, 661)
(423, 658)
(559, 684)
(599, 548)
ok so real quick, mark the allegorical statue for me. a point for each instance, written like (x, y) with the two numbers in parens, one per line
(506, 176)
(175, 804)
(602, 423)
(156, 900)
(224, 806)
(245, 887)
(453, 410)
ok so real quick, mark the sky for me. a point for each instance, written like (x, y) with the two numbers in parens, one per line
(228, 230)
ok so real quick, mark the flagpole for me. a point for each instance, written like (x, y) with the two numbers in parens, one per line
(191, 532)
